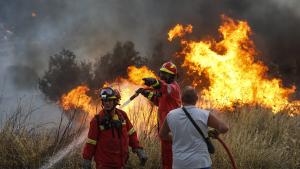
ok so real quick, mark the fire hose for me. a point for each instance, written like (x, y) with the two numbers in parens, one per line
(134, 96)
(130, 99)
(228, 152)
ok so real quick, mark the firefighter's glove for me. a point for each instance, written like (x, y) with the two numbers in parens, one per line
(140, 90)
(143, 91)
(213, 133)
(152, 82)
(141, 155)
(87, 164)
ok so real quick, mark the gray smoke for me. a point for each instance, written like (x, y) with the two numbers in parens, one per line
(32, 30)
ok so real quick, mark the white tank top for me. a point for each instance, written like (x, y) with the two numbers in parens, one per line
(189, 148)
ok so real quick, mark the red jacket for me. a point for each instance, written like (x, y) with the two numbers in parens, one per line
(170, 99)
(106, 146)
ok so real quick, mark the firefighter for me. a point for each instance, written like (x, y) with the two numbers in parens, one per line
(110, 134)
(166, 95)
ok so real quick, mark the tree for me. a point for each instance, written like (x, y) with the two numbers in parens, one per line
(157, 58)
(115, 64)
(63, 74)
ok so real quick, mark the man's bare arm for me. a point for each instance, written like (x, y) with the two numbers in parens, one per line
(217, 124)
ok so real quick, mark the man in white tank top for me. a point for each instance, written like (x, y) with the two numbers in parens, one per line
(188, 146)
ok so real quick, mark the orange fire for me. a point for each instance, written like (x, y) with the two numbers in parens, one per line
(138, 111)
(233, 73)
(78, 98)
(139, 108)
(179, 31)
(137, 74)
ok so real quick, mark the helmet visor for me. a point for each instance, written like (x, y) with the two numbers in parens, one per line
(107, 93)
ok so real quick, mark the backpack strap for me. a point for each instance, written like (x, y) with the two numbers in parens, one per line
(97, 116)
(194, 123)
(209, 144)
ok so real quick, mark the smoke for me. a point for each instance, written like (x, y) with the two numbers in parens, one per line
(33, 30)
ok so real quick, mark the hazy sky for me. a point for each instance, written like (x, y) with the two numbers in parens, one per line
(33, 30)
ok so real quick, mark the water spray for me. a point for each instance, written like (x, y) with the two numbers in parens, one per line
(62, 153)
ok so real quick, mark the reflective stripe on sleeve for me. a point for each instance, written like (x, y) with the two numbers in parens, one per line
(156, 83)
(131, 131)
(169, 88)
(150, 95)
(101, 127)
(91, 141)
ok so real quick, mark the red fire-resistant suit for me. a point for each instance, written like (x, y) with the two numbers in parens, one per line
(170, 99)
(108, 149)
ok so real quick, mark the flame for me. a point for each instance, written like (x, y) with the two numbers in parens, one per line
(127, 87)
(179, 31)
(139, 111)
(136, 75)
(233, 73)
(78, 98)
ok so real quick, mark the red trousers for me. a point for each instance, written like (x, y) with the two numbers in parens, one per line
(166, 154)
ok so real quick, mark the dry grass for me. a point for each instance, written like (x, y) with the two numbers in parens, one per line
(27, 146)
(261, 140)
(258, 140)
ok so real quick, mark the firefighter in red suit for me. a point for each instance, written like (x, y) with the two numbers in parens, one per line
(166, 95)
(109, 136)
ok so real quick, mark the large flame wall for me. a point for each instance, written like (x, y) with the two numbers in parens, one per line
(233, 73)
(229, 64)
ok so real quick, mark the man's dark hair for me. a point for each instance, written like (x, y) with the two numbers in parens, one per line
(189, 95)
